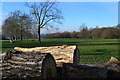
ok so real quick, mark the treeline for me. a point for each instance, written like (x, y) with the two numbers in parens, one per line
(20, 25)
(95, 33)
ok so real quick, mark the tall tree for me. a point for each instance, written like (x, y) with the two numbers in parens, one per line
(9, 28)
(17, 24)
(118, 27)
(45, 14)
(84, 32)
(25, 23)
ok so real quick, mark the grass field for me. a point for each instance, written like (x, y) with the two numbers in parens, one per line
(92, 51)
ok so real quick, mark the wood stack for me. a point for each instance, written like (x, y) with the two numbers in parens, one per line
(61, 54)
(28, 65)
(38, 63)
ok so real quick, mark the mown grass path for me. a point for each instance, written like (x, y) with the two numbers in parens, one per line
(93, 51)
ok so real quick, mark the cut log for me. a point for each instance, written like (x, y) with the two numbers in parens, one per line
(28, 65)
(114, 60)
(61, 54)
(1, 65)
(76, 71)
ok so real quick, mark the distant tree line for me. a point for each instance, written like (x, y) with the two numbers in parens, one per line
(95, 33)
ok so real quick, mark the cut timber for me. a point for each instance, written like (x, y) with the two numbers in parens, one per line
(114, 59)
(61, 54)
(76, 71)
(28, 65)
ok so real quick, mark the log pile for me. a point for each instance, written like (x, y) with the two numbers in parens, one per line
(61, 54)
(28, 65)
(40, 63)
(1, 65)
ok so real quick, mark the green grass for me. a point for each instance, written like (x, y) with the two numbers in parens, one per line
(92, 51)
(98, 53)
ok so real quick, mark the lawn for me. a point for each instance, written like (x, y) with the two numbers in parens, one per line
(92, 51)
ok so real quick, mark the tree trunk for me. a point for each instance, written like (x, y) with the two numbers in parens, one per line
(16, 35)
(39, 39)
(28, 66)
(21, 38)
(10, 37)
(21, 35)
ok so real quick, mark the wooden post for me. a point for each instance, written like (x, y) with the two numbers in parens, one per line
(28, 65)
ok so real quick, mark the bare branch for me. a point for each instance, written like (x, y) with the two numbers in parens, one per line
(44, 13)
(47, 22)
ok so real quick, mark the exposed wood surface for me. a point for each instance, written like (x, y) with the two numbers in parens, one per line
(61, 54)
(24, 65)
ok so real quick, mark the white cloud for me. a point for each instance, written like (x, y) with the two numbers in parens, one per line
(60, 0)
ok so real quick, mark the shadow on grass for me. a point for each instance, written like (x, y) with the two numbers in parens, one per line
(99, 52)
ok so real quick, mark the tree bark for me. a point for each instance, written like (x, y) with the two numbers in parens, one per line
(39, 39)
(28, 65)
(21, 37)
(16, 35)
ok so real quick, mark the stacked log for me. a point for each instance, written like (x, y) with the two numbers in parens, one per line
(106, 71)
(78, 71)
(38, 63)
(28, 65)
(1, 65)
(61, 54)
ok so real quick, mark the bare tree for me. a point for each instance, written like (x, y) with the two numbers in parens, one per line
(84, 32)
(17, 24)
(26, 25)
(45, 14)
(9, 28)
